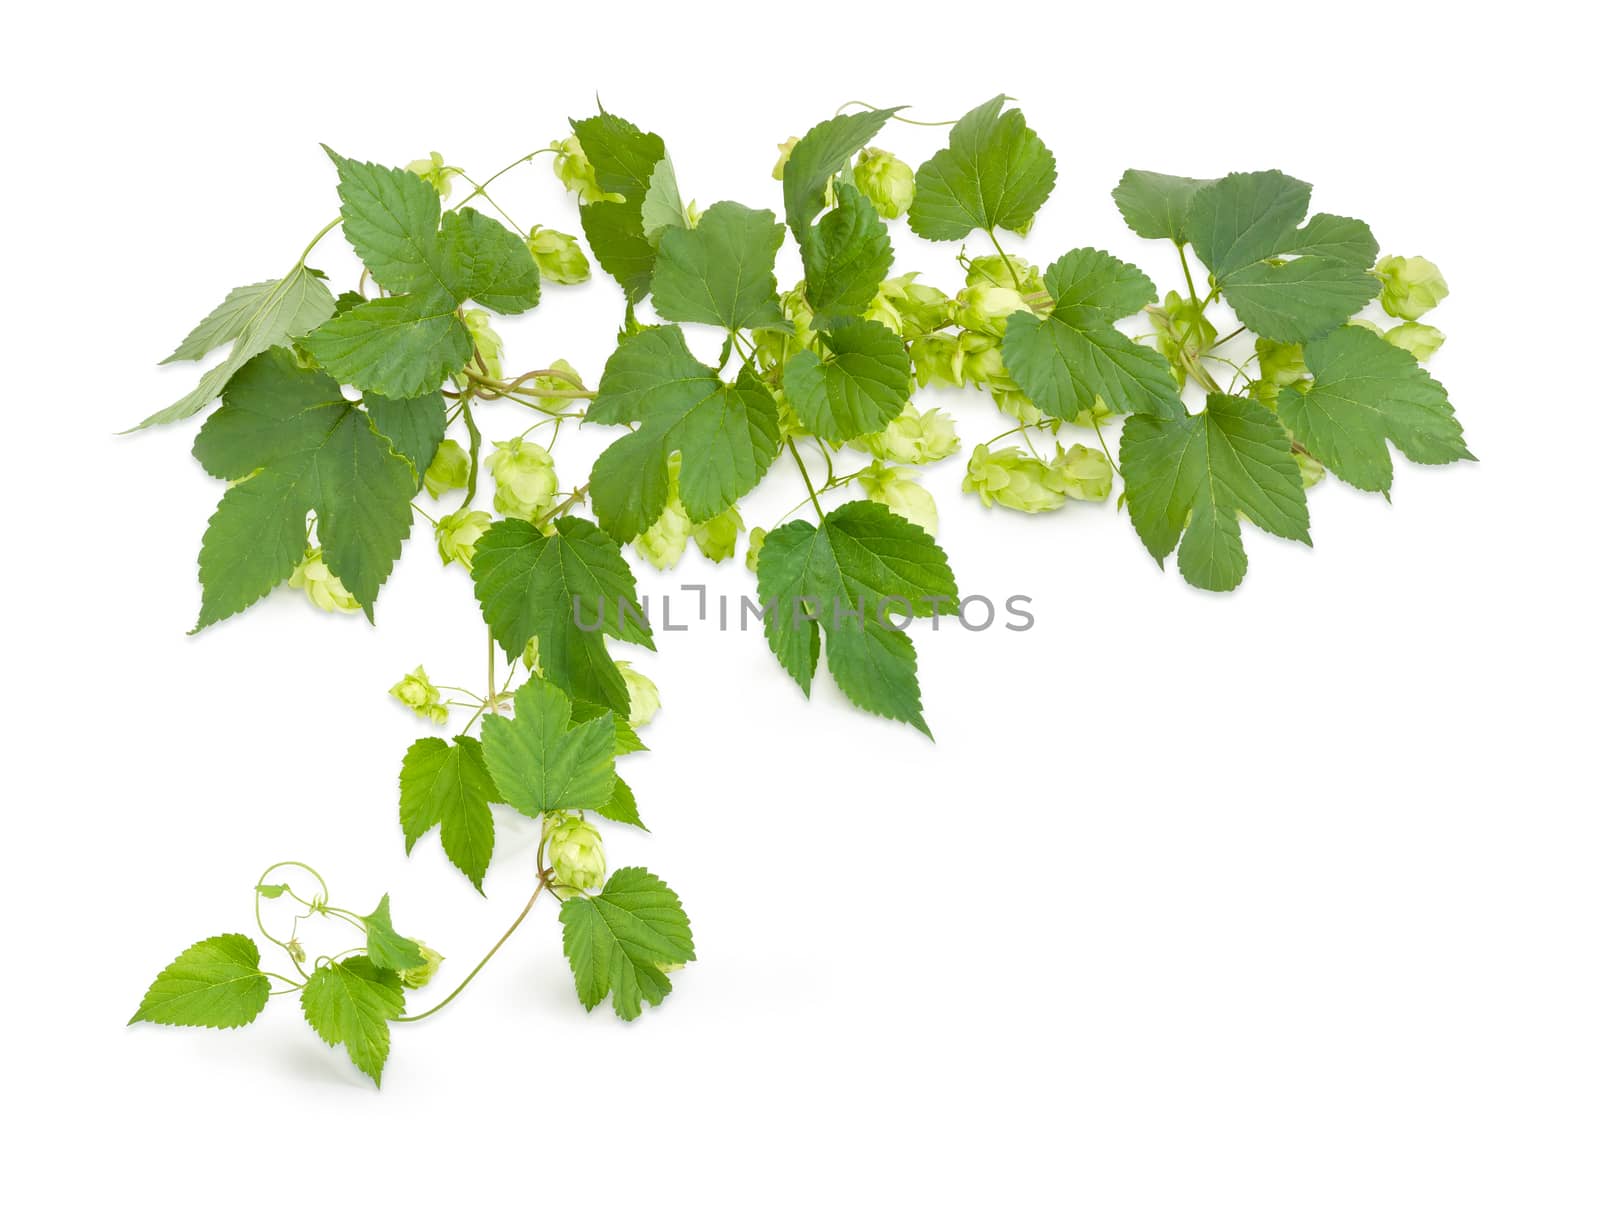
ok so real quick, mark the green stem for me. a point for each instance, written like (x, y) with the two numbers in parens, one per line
(496, 175)
(326, 228)
(521, 916)
(811, 490)
(474, 442)
(1101, 437)
(1010, 265)
(1188, 278)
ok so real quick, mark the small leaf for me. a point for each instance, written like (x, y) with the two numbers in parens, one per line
(1156, 205)
(618, 941)
(352, 1002)
(861, 386)
(270, 890)
(996, 173)
(385, 947)
(448, 785)
(216, 982)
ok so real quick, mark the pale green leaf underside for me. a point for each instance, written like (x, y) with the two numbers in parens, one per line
(1156, 205)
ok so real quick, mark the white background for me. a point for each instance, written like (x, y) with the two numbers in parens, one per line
(1279, 902)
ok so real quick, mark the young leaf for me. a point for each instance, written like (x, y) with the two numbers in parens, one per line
(254, 319)
(820, 154)
(216, 982)
(448, 784)
(1075, 355)
(727, 434)
(618, 941)
(571, 590)
(386, 948)
(720, 272)
(853, 576)
(1196, 475)
(1156, 205)
(1364, 395)
(352, 1002)
(996, 173)
(1245, 225)
(541, 761)
(861, 387)
(292, 443)
(621, 806)
(846, 255)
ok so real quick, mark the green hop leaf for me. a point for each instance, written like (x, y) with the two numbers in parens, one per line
(862, 385)
(996, 173)
(846, 256)
(352, 1002)
(817, 158)
(413, 428)
(1066, 360)
(1156, 205)
(720, 272)
(386, 948)
(448, 784)
(291, 443)
(727, 434)
(1195, 476)
(1286, 282)
(663, 205)
(1366, 394)
(624, 159)
(254, 318)
(532, 585)
(851, 578)
(216, 982)
(619, 941)
(541, 761)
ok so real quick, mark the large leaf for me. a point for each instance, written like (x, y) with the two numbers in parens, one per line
(541, 761)
(619, 941)
(1074, 356)
(720, 271)
(727, 434)
(1287, 283)
(1195, 476)
(447, 784)
(352, 1002)
(854, 578)
(1366, 394)
(571, 590)
(216, 982)
(996, 173)
(292, 443)
(861, 386)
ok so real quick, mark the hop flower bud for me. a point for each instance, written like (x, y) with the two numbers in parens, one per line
(1003, 270)
(575, 852)
(321, 585)
(784, 149)
(530, 656)
(1182, 332)
(644, 699)
(718, 536)
(919, 308)
(434, 171)
(1085, 473)
(752, 553)
(1311, 469)
(575, 172)
(561, 259)
(899, 491)
(417, 693)
(296, 950)
(912, 438)
(886, 180)
(448, 469)
(981, 363)
(418, 977)
(664, 542)
(1016, 403)
(457, 535)
(937, 359)
(1013, 479)
(1421, 341)
(984, 307)
(1411, 286)
(485, 341)
(1281, 364)
(524, 478)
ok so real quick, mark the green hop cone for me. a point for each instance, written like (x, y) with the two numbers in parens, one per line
(984, 307)
(886, 180)
(1013, 479)
(918, 308)
(644, 698)
(980, 362)
(524, 479)
(458, 533)
(573, 170)
(434, 171)
(1085, 472)
(486, 344)
(1182, 332)
(1003, 270)
(417, 693)
(448, 469)
(1311, 469)
(752, 553)
(1282, 364)
(662, 544)
(898, 490)
(718, 536)
(561, 259)
(575, 852)
(912, 438)
(784, 151)
(937, 359)
(1421, 341)
(418, 977)
(1411, 286)
(530, 657)
(321, 585)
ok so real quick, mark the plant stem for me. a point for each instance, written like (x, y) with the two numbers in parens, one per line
(474, 442)
(811, 490)
(326, 228)
(521, 916)
(1010, 265)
